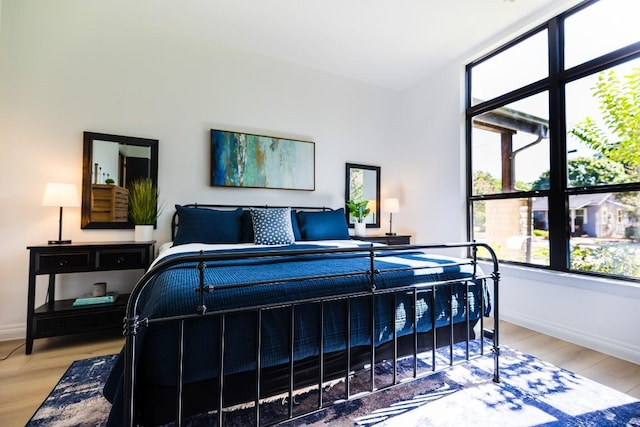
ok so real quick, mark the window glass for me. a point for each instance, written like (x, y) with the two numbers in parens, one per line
(516, 229)
(603, 126)
(514, 152)
(605, 233)
(517, 66)
(510, 147)
(602, 27)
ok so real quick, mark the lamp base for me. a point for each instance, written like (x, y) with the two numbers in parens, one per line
(59, 242)
(389, 234)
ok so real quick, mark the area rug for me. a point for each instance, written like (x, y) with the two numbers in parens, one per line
(77, 398)
(531, 393)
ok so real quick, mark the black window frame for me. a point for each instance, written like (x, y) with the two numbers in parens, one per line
(559, 192)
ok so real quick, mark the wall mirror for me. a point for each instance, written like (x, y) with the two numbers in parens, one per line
(110, 163)
(363, 183)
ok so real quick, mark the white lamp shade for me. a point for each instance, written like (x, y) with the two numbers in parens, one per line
(61, 195)
(391, 205)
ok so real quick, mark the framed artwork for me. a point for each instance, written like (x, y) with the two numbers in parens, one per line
(257, 161)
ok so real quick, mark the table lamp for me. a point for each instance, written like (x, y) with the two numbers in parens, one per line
(61, 195)
(392, 206)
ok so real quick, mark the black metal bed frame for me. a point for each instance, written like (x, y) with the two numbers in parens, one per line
(133, 323)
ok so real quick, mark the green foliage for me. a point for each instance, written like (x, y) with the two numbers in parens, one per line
(620, 259)
(485, 183)
(143, 202)
(523, 186)
(619, 100)
(587, 172)
(632, 232)
(358, 210)
(541, 233)
(541, 255)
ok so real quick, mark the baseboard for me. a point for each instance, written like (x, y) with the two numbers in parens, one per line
(602, 344)
(12, 332)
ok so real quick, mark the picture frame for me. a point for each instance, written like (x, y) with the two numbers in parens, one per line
(258, 161)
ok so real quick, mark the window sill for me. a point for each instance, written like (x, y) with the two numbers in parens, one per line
(584, 282)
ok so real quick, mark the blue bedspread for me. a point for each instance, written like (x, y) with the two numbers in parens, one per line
(172, 292)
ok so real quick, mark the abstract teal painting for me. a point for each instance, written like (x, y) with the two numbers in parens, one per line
(257, 161)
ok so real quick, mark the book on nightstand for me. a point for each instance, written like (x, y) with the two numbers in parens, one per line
(109, 298)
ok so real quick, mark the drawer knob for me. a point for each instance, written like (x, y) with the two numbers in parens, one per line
(120, 260)
(63, 263)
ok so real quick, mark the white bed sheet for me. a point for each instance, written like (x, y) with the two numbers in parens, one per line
(167, 248)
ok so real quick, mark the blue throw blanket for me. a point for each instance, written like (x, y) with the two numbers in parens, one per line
(172, 292)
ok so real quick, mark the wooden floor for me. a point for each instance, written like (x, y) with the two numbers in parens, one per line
(25, 381)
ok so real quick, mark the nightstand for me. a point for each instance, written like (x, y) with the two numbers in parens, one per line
(59, 317)
(398, 239)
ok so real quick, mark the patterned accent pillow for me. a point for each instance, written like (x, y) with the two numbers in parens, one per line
(272, 226)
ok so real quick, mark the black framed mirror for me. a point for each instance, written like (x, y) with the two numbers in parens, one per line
(363, 183)
(109, 164)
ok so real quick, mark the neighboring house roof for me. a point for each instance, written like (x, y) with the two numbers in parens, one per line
(579, 201)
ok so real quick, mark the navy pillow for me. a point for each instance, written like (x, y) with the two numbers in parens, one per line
(294, 224)
(325, 225)
(201, 225)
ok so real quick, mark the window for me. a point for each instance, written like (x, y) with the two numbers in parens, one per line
(506, 72)
(553, 153)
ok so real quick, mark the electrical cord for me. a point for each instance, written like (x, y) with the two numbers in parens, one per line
(11, 352)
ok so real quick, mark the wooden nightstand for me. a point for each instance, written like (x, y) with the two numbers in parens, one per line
(59, 317)
(398, 239)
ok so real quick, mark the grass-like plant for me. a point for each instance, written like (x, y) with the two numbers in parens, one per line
(143, 202)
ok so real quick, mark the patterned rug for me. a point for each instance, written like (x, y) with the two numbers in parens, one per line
(531, 393)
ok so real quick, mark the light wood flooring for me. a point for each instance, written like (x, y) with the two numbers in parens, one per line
(25, 381)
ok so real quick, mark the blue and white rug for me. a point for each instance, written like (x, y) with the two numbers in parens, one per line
(531, 393)
(77, 398)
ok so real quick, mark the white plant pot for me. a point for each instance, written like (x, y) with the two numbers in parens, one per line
(143, 233)
(360, 229)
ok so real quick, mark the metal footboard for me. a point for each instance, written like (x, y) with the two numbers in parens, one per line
(133, 324)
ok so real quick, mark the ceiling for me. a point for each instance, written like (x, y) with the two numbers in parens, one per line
(387, 43)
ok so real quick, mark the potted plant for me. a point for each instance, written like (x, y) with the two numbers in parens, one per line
(143, 208)
(359, 211)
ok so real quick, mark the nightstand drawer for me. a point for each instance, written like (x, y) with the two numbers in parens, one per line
(61, 263)
(399, 239)
(72, 323)
(121, 259)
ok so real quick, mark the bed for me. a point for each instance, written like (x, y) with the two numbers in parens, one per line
(249, 305)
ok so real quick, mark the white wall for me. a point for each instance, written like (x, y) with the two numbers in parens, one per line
(432, 188)
(596, 313)
(67, 67)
